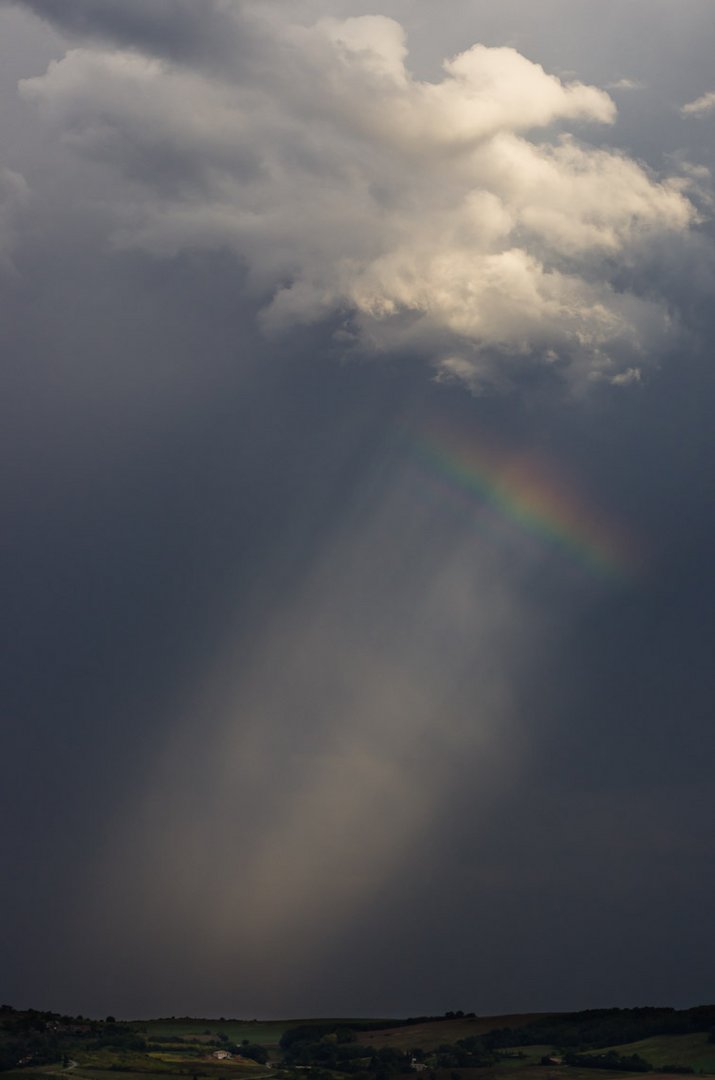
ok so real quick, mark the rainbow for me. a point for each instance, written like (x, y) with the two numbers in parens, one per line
(533, 492)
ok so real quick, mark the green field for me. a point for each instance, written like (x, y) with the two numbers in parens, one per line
(661, 1050)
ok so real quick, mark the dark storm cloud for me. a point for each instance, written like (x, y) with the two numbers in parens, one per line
(176, 28)
(293, 724)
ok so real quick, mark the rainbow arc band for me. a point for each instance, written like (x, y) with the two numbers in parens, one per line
(535, 494)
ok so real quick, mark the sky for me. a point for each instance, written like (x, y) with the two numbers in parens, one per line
(358, 450)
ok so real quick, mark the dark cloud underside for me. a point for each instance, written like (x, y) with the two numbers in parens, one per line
(305, 672)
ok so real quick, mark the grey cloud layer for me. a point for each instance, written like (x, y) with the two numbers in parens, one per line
(180, 28)
(429, 216)
(14, 195)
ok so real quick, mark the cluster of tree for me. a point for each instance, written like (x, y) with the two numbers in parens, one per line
(339, 1051)
(596, 1028)
(331, 1047)
(336, 1047)
(39, 1038)
(466, 1054)
(247, 1049)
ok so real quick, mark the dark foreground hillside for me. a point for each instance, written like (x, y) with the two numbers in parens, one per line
(572, 1046)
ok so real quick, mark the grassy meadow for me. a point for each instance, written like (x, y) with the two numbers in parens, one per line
(692, 1050)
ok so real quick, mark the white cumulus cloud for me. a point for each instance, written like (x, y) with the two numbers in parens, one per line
(702, 106)
(625, 84)
(458, 219)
